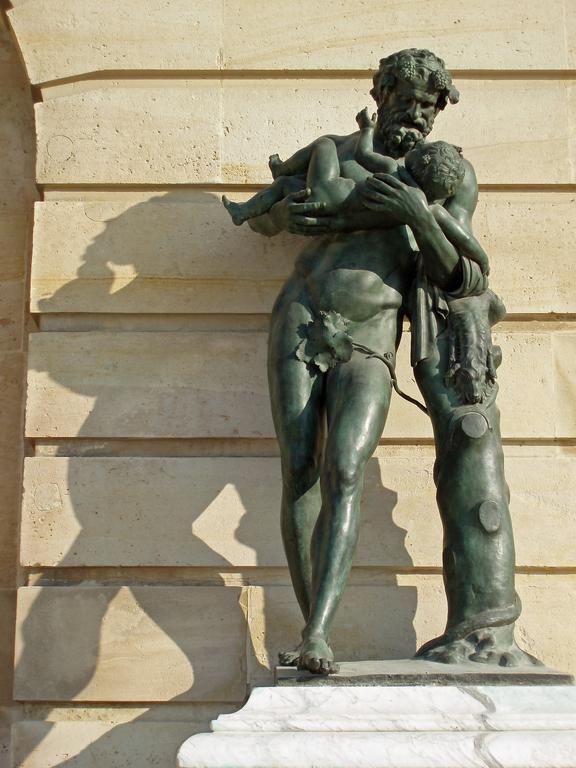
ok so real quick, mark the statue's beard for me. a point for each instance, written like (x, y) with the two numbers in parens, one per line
(399, 133)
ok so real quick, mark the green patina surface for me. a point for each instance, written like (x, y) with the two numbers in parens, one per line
(335, 329)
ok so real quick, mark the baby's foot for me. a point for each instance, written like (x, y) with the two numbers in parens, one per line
(275, 165)
(364, 120)
(235, 211)
(316, 656)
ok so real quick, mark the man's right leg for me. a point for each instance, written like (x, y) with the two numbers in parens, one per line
(298, 412)
(358, 397)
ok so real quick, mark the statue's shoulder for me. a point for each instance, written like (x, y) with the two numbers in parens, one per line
(470, 181)
(463, 204)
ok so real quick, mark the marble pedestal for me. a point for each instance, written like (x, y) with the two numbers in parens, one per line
(397, 715)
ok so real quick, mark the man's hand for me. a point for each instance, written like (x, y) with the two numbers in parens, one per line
(384, 193)
(293, 214)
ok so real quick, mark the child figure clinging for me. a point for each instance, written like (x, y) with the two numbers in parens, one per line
(437, 168)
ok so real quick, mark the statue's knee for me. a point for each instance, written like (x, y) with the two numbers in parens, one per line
(324, 143)
(343, 478)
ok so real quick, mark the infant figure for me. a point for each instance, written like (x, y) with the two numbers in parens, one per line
(436, 167)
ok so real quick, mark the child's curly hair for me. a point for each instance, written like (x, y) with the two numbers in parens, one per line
(438, 167)
(415, 65)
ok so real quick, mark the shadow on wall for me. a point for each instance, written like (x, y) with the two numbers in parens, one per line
(65, 644)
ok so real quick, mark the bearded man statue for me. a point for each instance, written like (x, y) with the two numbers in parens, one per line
(386, 251)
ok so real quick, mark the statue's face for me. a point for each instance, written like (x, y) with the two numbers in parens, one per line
(405, 117)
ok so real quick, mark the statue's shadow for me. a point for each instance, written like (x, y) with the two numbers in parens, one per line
(377, 615)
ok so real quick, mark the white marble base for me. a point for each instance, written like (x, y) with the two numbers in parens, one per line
(417, 726)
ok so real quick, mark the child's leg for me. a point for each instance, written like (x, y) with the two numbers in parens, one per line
(324, 178)
(324, 164)
(295, 165)
(262, 201)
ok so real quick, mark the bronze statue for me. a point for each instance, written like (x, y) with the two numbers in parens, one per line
(335, 329)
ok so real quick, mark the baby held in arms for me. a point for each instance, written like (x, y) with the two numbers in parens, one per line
(436, 167)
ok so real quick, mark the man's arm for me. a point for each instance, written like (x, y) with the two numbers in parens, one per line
(292, 214)
(441, 260)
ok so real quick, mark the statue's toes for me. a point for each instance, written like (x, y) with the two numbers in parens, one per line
(327, 667)
(313, 664)
(317, 666)
(288, 658)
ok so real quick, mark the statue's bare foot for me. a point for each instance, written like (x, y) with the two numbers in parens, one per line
(275, 165)
(316, 656)
(364, 120)
(235, 211)
(493, 646)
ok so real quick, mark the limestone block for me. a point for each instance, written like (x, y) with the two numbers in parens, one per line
(565, 367)
(17, 137)
(139, 643)
(157, 133)
(14, 231)
(213, 384)
(166, 253)
(401, 613)
(485, 123)
(528, 237)
(12, 301)
(116, 391)
(8, 613)
(37, 744)
(547, 612)
(207, 130)
(67, 38)
(180, 253)
(571, 37)
(12, 374)
(10, 501)
(224, 512)
(356, 35)
(6, 717)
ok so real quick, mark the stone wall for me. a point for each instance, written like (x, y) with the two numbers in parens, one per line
(17, 195)
(154, 588)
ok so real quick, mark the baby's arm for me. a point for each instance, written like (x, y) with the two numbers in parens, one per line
(464, 241)
(365, 155)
